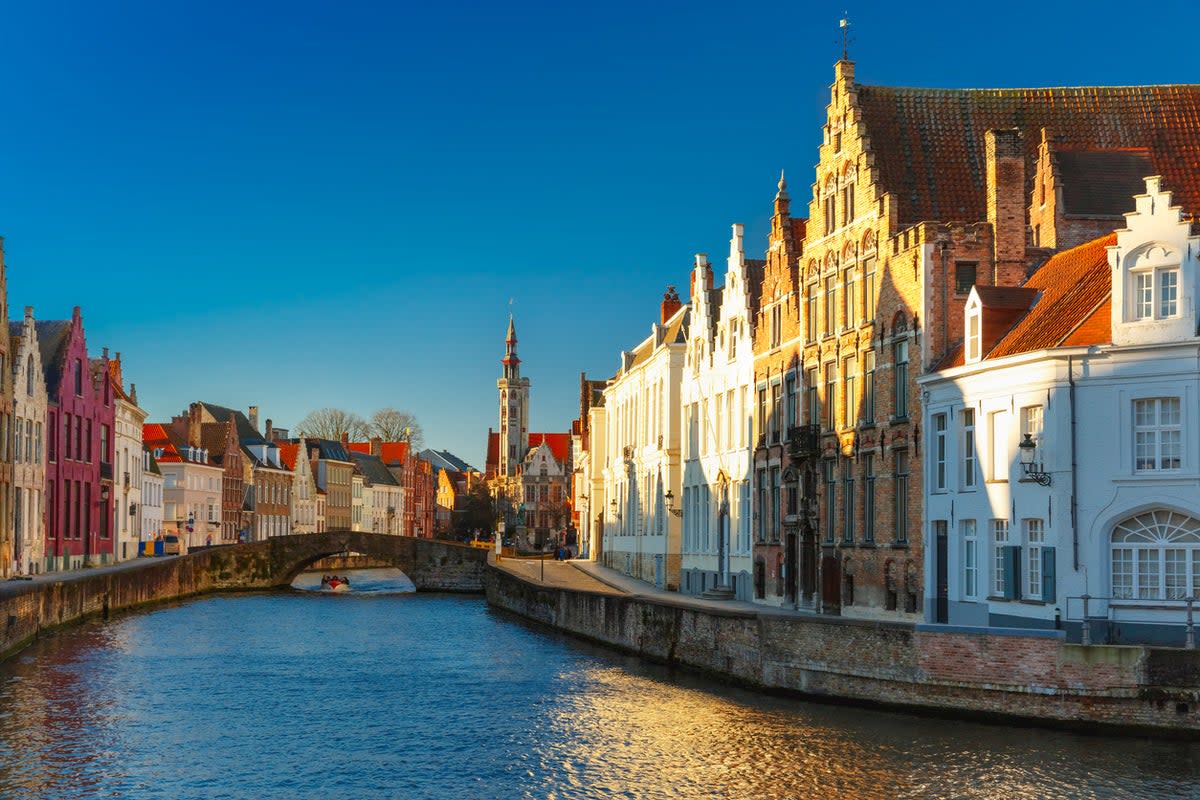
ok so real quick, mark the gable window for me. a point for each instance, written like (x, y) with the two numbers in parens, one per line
(830, 208)
(1157, 434)
(776, 325)
(29, 376)
(78, 378)
(964, 276)
(1154, 293)
(973, 337)
(848, 200)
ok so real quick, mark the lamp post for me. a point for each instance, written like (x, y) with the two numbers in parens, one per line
(1033, 471)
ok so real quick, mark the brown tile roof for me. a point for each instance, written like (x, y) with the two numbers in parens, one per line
(929, 143)
(393, 453)
(156, 435)
(1073, 286)
(1102, 183)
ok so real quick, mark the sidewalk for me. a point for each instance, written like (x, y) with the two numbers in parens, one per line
(593, 577)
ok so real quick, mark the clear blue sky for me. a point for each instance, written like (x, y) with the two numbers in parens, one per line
(298, 205)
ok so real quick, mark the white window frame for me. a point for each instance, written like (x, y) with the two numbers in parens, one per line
(1033, 531)
(1158, 436)
(939, 452)
(970, 451)
(973, 335)
(1145, 547)
(1000, 539)
(970, 559)
(1154, 293)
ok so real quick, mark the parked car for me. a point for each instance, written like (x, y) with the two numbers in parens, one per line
(173, 545)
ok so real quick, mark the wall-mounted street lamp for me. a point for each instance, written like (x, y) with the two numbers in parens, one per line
(615, 510)
(670, 498)
(1033, 471)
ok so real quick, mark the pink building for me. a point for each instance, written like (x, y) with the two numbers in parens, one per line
(79, 432)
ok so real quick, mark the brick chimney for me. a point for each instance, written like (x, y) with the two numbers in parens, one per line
(377, 446)
(253, 417)
(670, 304)
(269, 433)
(345, 439)
(194, 420)
(1006, 203)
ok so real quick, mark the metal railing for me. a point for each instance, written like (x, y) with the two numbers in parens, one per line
(1091, 609)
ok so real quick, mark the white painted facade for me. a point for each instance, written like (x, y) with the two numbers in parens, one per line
(304, 494)
(360, 503)
(150, 512)
(1117, 429)
(127, 476)
(29, 455)
(715, 503)
(638, 453)
(192, 497)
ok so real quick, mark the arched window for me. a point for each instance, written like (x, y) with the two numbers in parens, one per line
(1156, 556)
(829, 204)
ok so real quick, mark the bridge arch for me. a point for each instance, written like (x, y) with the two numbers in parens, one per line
(431, 565)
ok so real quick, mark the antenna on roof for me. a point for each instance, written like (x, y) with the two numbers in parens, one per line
(844, 24)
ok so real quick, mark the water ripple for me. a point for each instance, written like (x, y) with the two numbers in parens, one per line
(411, 696)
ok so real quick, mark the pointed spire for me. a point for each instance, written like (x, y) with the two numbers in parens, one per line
(512, 330)
(510, 350)
(782, 201)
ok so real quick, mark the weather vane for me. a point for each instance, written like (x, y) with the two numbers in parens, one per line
(844, 24)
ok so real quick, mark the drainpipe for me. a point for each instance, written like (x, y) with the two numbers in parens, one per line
(1074, 490)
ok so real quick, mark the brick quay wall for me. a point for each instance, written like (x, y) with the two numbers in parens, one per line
(1030, 677)
(28, 608)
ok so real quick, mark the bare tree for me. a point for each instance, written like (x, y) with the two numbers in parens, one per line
(331, 423)
(394, 425)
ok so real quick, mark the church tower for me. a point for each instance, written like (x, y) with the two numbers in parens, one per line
(514, 408)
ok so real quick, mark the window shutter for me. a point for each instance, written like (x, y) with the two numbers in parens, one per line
(1012, 572)
(1048, 575)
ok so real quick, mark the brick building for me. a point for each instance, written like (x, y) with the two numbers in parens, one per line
(919, 195)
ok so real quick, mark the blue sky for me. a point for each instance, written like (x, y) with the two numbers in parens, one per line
(297, 205)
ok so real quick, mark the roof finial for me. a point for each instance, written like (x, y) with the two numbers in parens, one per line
(844, 24)
(782, 182)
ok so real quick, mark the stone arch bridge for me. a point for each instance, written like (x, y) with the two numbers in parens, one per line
(431, 565)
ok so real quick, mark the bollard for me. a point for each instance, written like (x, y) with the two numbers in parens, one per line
(1085, 632)
(1190, 640)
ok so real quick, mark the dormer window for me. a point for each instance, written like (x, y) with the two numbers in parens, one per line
(1156, 293)
(974, 329)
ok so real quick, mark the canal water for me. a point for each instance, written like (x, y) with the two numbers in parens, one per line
(303, 694)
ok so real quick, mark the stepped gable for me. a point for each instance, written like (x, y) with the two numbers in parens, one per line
(559, 443)
(52, 339)
(928, 144)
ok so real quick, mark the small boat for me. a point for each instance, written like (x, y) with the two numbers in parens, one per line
(332, 583)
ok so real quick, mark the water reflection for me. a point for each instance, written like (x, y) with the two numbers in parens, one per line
(413, 696)
(362, 581)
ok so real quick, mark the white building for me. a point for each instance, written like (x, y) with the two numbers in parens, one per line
(150, 512)
(639, 457)
(127, 464)
(304, 487)
(1094, 361)
(29, 456)
(715, 392)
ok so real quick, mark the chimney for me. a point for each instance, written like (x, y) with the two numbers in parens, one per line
(1006, 204)
(670, 304)
(193, 425)
(253, 417)
(377, 446)
(269, 435)
(345, 439)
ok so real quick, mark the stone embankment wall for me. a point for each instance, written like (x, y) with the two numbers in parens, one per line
(28, 608)
(1033, 676)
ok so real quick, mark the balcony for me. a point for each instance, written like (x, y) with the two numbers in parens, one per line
(804, 441)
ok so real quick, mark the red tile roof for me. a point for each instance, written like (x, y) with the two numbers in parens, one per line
(154, 436)
(287, 453)
(1073, 285)
(560, 444)
(392, 453)
(492, 460)
(928, 144)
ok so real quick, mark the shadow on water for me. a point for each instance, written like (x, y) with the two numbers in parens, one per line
(378, 581)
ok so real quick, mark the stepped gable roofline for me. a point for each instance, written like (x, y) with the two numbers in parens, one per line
(928, 144)
(676, 333)
(287, 454)
(52, 340)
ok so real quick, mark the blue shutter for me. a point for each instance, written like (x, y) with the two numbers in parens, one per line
(1048, 574)
(1012, 572)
